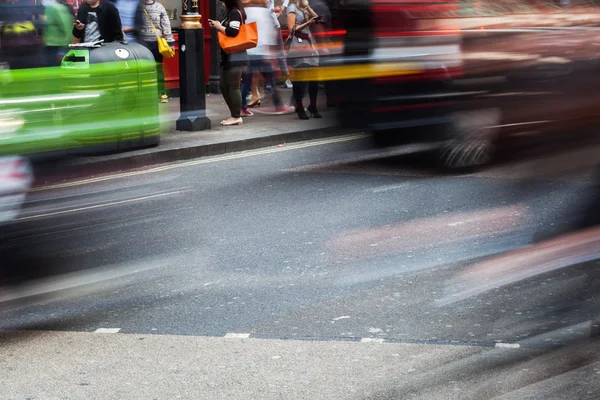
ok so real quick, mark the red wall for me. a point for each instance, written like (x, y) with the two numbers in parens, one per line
(171, 65)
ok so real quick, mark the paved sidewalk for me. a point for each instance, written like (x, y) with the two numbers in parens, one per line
(260, 130)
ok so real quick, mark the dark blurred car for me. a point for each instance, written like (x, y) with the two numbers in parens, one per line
(395, 71)
(403, 74)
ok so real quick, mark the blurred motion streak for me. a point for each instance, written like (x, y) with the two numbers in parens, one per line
(428, 232)
(562, 252)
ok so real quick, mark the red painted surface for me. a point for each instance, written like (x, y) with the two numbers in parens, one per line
(171, 65)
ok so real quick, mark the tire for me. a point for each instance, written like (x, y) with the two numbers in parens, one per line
(472, 142)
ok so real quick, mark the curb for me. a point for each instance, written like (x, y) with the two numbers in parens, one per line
(78, 168)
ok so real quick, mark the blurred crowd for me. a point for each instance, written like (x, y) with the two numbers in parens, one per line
(272, 59)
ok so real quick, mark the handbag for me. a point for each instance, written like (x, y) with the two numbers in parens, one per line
(163, 46)
(247, 38)
(301, 50)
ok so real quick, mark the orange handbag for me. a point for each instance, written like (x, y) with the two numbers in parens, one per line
(247, 38)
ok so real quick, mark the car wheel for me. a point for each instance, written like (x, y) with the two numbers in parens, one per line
(472, 141)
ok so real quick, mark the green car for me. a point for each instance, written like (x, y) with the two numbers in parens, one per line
(103, 98)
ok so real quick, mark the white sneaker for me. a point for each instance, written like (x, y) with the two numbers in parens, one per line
(289, 84)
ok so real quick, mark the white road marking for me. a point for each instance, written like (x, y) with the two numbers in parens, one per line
(518, 94)
(371, 340)
(233, 156)
(342, 317)
(96, 206)
(519, 124)
(389, 187)
(107, 330)
(237, 335)
(507, 345)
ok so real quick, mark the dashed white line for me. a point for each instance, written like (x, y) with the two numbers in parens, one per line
(507, 345)
(371, 340)
(237, 335)
(107, 330)
(342, 317)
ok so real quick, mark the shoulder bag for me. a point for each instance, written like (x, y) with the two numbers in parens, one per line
(247, 38)
(163, 45)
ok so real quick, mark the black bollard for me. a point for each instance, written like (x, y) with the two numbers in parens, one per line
(192, 88)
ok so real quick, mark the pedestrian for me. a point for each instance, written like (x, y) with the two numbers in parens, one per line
(98, 20)
(302, 54)
(57, 35)
(127, 12)
(283, 67)
(152, 22)
(232, 65)
(261, 57)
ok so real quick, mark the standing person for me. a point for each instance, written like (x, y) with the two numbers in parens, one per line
(302, 54)
(152, 22)
(127, 12)
(98, 20)
(283, 68)
(261, 56)
(232, 65)
(57, 35)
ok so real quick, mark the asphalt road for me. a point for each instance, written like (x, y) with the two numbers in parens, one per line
(316, 270)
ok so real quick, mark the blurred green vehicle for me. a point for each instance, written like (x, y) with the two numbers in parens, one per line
(99, 99)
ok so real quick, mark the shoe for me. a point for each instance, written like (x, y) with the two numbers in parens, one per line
(301, 113)
(289, 84)
(164, 98)
(246, 113)
(232, 121)
(255, 103)
(276, 111)
(285, 110)
(313, 112)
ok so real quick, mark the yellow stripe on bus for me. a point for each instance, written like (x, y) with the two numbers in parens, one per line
(357, 71)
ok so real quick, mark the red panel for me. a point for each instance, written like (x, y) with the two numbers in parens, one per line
(171, 65)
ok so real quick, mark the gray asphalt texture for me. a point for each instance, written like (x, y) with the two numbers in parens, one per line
(320, 244)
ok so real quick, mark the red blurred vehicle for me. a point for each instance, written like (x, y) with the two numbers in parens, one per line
(393, 75)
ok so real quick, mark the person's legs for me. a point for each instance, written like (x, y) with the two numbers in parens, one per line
(313, 91)
(298, 90)
(234, 76)
(160, 75)
(281, 54)
(254, 89)
(246, 84)
(224, 87)
(269, 77)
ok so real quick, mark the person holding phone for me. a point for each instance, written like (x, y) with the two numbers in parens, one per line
(232, 65)
(302, 54)
(98, 20)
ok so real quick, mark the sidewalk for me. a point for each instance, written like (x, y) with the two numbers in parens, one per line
(260, 130)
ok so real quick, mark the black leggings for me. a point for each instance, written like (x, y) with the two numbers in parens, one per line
(160, 75)
(300, 90)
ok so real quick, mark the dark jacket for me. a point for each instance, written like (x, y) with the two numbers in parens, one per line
(109, 21)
